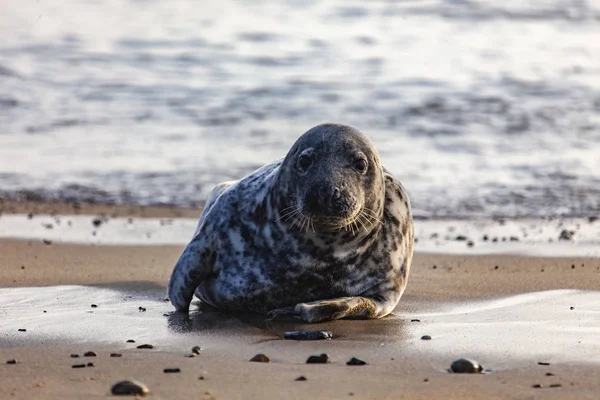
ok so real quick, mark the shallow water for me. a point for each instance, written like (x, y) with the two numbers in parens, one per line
(535, 237)
(533, 326)
(481, 108)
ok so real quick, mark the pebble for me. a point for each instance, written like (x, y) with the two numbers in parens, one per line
(537, 386)
(116, 354)
(356, 361)
(549, 374)
(543, 363)
(47, 242)
(172, 370)
(464, 366)
(301, 378)
(96, 222)
(320, 359)
(78, 366)
(425, 337)
(415, 320)
(307, 335)
(196, 350)
(260, 358)
(22, 330)
(74, 355)
(566, 235)
(13, 361)
(90, 364)
(130, 341)
(146, 346)
(90, 354)
(129, 388)
(94, 306)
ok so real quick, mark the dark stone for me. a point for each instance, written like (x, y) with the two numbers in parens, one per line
(301, 378)
(537, 386)
(90, 354)
(566, 235)
(307, 335)
(22, 330)
(129, 388)
(116, 355)
(260, 358)
(356, 361)
(74, 355)
(460, 238)
(464, 366)
(94, 306)
(90, 364)
(146, 346)
(97, 222)
(196, 350)
(130, 341)
(172, 370)
(13, 361)
(47, 242)
(78, 366)
(425, 337)
(320, 359)
(543, 363)
(415, 320)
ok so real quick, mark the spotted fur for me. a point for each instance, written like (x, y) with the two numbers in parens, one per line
(325, 242)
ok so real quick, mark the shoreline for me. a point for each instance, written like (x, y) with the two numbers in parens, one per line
(507, 312)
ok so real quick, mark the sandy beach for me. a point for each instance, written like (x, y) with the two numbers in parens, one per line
(507, 312)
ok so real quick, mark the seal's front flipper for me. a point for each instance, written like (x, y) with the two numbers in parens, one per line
(194, 265)
(346, 307)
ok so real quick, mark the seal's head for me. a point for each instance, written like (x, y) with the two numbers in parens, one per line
(332, 179)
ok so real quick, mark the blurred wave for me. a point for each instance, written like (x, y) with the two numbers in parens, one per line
(481, 108)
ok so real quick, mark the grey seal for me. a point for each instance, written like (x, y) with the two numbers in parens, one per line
(324, 233)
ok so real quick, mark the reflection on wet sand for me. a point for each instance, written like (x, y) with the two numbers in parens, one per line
(557, 325)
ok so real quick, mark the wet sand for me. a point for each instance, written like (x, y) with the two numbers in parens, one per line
(508, 312)
(465, 303)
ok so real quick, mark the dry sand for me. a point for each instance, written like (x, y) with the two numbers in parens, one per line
(400, 365)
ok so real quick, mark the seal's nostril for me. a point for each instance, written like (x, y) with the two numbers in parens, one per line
(336, 194)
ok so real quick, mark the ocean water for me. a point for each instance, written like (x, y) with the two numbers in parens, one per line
(481, 108)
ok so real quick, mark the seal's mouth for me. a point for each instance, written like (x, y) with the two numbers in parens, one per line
(363, 219)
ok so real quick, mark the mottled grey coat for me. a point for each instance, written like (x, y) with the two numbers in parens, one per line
(325, 233)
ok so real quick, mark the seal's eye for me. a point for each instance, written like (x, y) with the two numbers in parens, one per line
(360, 164)
(304, 162)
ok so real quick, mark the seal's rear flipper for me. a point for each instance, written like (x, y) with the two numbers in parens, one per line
(194, 265)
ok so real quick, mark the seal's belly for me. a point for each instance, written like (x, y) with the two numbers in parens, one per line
(263, 289)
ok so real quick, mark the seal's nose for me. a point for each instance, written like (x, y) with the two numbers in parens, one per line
(336, 194)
